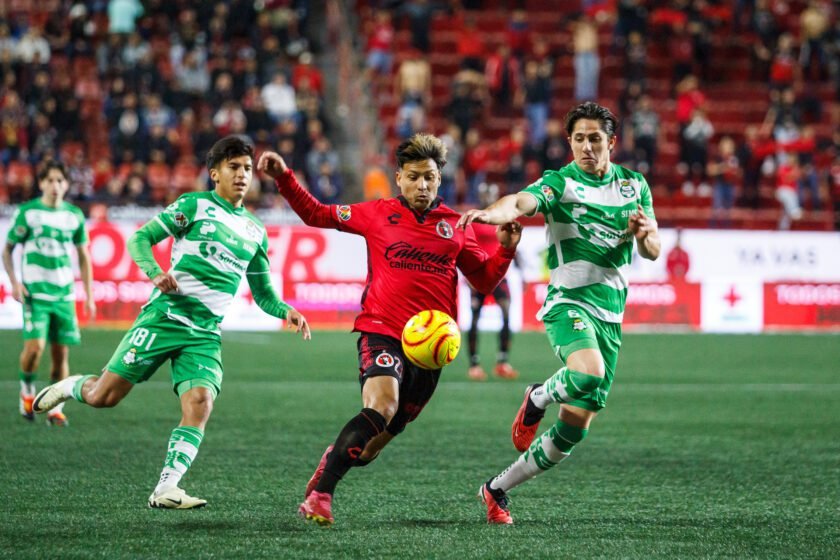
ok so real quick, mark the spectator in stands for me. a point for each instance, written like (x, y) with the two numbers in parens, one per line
(536, 92)
(696, 136)
(411, 119)
(470, 46)
(502, 74)
(230, 119)
(518, 34)
(326, 185)
(192, 74)
(380, 44)
(586, 60)
(787, 177)
(43, 139)
(114, 192)
(321, 152)
(279, 98)
(259, 123)
(763, 24)
(809, 180)
(135, 49)
(814, 23)
(635, 58)
(644, 129)
(678, 261)
(123, 14)
(288, 150)
(750, 162)
(33, 48)
(681, 54)
(80, 177)
(783, 67)
(452, 174)
(476, 162)
(158, 146)
(699, 28)
(419, 14)
(155, 113)
(127, 137)
(464, 108)
(8, 43)
(554, 152)
(413, 81)
(725, 172)
(631, 17)
(305, 70)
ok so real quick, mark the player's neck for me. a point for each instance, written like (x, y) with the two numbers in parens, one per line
(235, 202)
(51, 202)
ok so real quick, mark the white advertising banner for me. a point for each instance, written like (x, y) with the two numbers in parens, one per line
(732, 306)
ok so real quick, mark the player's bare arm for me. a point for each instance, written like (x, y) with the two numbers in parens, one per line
(503, 211)
(646, 232)
(18, 290)
(87, 280)
(272, 164)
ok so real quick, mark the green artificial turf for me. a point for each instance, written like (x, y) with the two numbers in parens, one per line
(711, 446)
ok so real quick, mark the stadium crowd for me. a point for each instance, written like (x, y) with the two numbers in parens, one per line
(131, 94)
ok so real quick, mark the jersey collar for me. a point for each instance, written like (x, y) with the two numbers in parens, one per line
(227, 205)
(420, 217)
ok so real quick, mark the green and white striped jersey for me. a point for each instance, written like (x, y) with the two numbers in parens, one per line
(589, 245)
(46, 270)
(215, 246)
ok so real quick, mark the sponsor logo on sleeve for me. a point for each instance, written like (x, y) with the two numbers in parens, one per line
(385, 360)
(444, 229)
(343, 212)
(548, 192)
(180, 219)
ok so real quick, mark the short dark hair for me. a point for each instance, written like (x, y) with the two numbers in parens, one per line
(227, 148)
(421, 147)
(595, 112)
(48, 166)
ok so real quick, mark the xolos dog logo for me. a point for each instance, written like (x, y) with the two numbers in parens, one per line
(385, 360)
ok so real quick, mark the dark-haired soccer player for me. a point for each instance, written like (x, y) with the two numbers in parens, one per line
(594, 210)
(44, 227)
(217, 242)
(413, 251)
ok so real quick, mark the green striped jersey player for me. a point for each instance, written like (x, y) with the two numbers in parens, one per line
(595, 213)
(217, 242)
(45, 227)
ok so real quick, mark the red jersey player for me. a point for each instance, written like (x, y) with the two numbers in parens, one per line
(413, 251)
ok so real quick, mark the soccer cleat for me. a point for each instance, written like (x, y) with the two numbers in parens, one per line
(317, 507)
(52, 395)
(316, 476)
(26, 407)
(175, 498)
(57, 419)
(527, 421)
(497, 505)
(505, 371)
(476, 373)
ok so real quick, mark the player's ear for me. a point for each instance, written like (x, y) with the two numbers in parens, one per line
(214, 174)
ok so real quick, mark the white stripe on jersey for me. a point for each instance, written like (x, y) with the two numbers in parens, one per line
(216, 302)
(45, 246)
(606, 195)
(599, 234)
(578, 274)
(32, 273)
(58, 219)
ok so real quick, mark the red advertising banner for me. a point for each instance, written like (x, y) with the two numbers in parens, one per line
(802, 305)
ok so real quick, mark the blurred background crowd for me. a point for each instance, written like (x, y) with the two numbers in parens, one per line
(730, 108)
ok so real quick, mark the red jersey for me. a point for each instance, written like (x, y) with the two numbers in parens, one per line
(412, 257)
(678, 263)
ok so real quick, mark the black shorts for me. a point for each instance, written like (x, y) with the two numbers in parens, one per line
(383, 355)
(502, 291)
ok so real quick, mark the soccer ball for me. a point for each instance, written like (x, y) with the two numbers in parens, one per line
(431, 339)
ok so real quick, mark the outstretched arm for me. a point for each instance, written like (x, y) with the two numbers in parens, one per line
(259, 280)
(311, 211)
(505, 210)
(485, 272)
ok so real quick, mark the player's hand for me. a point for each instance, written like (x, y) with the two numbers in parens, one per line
(272, 164)
(165, 282)
(509, 234)
(294, 320)
(19, 292)
(640, 224)
(90, 308)
(473, 215)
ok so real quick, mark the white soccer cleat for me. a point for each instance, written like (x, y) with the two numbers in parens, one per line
(175, 498)
(52, 395)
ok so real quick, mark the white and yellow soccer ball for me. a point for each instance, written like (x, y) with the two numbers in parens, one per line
(431, 339)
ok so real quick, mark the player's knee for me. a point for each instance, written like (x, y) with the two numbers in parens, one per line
(34, 349)
(387, 408)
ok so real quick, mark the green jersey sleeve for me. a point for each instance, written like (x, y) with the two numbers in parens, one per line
(178, 216)
(646, 198)
(259, 280)
(547, 189)
(140, 247)
(80, 236)
(20, 231)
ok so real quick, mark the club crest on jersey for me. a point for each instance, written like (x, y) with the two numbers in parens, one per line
(444, 229)
(252, 231)
(385, 360)
(180, 219)
(627, 190)
(548, 192)
(343, 212)
(20, 231)
(130, 357)
(578, 325)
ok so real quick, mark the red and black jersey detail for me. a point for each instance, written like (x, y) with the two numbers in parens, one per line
(413, 257)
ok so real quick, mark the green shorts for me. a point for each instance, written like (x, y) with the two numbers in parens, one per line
(569, 328)
(196, 356)
(51, 320)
